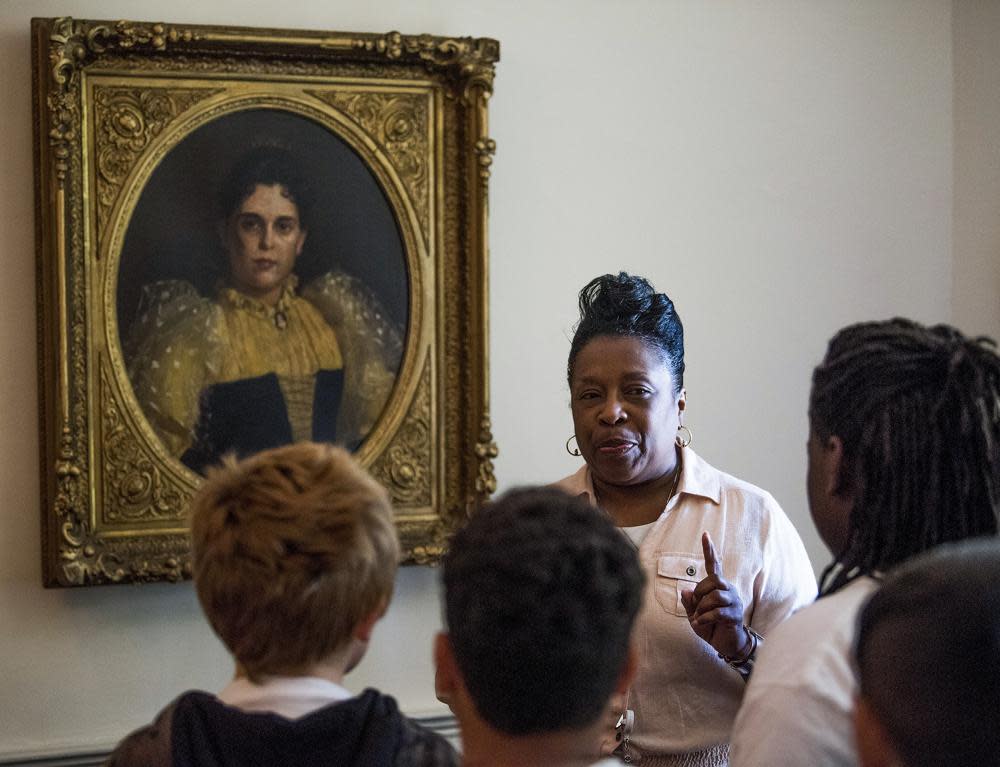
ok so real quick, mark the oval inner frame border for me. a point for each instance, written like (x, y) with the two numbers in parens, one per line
(415, 247)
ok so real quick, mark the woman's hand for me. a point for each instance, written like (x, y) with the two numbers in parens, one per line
(715, 610)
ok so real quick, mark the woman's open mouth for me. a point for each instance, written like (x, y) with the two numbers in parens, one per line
(614, 447)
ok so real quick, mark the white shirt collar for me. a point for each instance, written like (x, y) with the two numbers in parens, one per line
(697, 478)
(289, 696)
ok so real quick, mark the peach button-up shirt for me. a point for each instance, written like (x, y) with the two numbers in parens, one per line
(685, 697)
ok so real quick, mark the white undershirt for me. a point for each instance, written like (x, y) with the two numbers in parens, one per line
(289, 696)
(636, 533)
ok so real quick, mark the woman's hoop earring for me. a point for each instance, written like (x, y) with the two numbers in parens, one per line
(681, 440)
(576, 450)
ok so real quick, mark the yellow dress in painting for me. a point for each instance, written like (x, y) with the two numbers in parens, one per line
(231, 373)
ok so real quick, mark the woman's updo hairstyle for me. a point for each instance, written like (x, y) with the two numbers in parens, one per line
(267, 165)
(628, 306)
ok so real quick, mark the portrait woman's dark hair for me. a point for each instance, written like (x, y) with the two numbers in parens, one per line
(918, 411)
(267, 165)
(626, 305)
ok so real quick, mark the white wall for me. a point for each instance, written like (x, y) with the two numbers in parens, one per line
(780, 168)
(976, 277)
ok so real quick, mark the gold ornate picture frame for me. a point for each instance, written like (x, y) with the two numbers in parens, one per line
(137, 129)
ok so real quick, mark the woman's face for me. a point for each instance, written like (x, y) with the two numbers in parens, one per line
(625, 412)
(263, 237)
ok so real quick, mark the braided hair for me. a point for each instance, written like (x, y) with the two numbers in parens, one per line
(918, 412)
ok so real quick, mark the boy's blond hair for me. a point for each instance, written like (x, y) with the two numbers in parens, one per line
(293, 548)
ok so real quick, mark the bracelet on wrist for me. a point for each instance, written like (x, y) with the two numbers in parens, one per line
(746, 658)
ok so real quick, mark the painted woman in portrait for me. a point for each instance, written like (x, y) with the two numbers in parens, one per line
(261, 359)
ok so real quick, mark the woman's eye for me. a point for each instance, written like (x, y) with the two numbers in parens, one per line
(639, 391)
(249, 225)
(284, 227)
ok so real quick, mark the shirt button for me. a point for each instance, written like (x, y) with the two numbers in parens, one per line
(690, 570)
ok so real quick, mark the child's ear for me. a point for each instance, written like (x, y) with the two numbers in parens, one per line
(629, 670)
(445, 669)
(836, 470)
(363, 631)
(875, 746)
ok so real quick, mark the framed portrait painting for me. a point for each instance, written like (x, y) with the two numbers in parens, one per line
(247, 238)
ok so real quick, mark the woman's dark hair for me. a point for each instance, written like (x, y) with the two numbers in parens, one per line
(625, 305)
(267, 165)
(918, 411)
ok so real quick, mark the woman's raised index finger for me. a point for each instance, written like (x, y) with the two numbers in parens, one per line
(712, 564)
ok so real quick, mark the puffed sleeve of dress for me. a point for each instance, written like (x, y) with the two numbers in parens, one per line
(171, 352)
(371, 345)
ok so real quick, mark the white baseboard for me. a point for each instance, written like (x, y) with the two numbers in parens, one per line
(78, 759)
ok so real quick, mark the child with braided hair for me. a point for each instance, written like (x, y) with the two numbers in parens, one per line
(904, 454)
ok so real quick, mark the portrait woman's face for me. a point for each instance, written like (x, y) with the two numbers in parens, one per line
(263, 237)
(625, 412)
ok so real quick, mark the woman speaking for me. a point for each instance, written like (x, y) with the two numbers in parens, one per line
(724, 563)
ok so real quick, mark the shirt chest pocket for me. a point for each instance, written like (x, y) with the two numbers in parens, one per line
(674, 574)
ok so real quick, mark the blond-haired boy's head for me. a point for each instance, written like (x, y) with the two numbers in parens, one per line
(293, 548)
